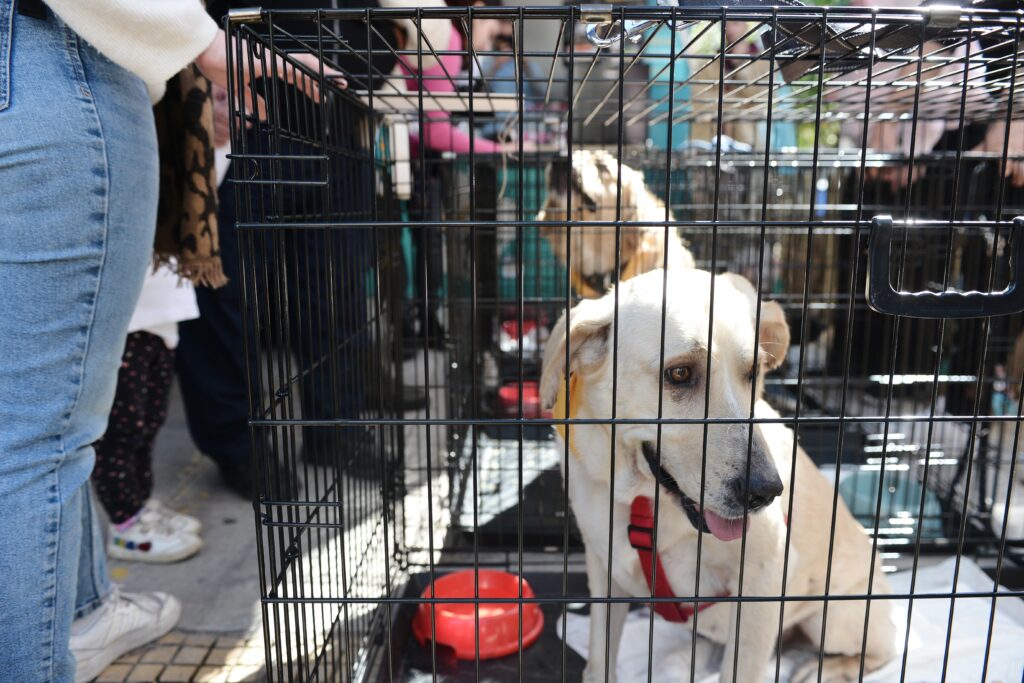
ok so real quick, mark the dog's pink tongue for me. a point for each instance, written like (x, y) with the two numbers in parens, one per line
(725, 529)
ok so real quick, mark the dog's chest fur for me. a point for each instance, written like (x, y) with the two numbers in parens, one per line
(677, 540)
(592, 500)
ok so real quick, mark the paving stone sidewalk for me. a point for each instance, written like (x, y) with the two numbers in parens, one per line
(181, 657)
(219, 638)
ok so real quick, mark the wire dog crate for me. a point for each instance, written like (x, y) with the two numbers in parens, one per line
(862, 168)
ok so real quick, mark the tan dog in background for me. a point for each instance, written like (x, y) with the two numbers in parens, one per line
(593, 176)
(741, 486)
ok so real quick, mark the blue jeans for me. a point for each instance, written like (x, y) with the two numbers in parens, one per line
(78, 181)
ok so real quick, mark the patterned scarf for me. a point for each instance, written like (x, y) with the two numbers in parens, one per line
(186, 229)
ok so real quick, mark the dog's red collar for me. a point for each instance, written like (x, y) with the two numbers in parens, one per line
(641, 537)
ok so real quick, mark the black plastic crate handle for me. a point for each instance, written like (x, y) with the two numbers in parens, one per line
(882, 298)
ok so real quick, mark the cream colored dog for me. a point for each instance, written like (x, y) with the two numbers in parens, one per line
(746, 482)
(593, 176)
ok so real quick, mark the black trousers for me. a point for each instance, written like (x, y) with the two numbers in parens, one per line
(123, 475)
(317, 292)
(428, 248)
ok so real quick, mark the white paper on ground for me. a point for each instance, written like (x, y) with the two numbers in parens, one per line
(221, 163)
(672, 644)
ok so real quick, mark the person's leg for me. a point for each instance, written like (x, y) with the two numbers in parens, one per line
(79, 181)
(434, 252)
(428, 261)
(416, 307)
(330, 334)
(211, 362)
(142, 532)
(123, 476)
(159, 375)
(93, 581)
(118, 473)
(327, 295)
(160, 378)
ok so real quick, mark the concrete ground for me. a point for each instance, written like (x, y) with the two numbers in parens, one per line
(219, 637)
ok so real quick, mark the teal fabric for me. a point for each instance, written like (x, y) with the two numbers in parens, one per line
(533, 187)
(654, 178)
(901, 493)
(543, 275)
(661, 44)
(406, 242)
(784, 133)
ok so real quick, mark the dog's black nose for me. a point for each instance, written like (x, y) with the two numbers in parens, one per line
(759, 489)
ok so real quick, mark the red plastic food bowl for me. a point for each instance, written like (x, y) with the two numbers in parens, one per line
(508, 399)
(455, 626)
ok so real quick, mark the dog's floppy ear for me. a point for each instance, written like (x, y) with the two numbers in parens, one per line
(563, 173)
(578, 186)
(773, 337)
(590, 325)
(558, 176)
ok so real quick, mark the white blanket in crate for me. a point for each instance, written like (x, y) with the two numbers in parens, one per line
(672, 644)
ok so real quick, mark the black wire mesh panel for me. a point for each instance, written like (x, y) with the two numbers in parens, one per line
(422, 205)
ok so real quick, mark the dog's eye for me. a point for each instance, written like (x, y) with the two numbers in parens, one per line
(679, 375)
(752, 375)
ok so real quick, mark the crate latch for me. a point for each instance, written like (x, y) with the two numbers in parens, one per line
(245, 15)
(604, 30)
(596, 14)
(944, 16)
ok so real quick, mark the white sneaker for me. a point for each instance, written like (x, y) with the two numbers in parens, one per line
(172, 518)
(124, 622)
(149, 539)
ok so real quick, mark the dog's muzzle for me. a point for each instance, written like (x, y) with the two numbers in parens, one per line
(599, 282)
(690, 506)
(751, 494)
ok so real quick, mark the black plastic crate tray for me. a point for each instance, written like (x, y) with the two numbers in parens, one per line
(541, 662)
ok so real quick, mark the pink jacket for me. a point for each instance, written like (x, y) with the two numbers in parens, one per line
(438, 132)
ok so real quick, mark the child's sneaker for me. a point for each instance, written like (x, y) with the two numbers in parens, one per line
(148, 539)
(122, 623)
(154, 509)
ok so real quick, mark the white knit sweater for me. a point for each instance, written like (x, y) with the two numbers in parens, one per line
(153, 39)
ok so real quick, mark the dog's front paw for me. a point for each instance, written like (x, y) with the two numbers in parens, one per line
(595, 673)
(835, 669)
